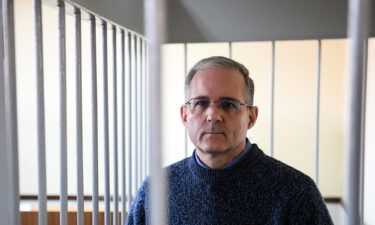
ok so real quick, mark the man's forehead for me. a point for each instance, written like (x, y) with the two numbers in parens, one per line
(218, 83)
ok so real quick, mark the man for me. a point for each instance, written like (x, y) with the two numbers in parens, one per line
(229, 180)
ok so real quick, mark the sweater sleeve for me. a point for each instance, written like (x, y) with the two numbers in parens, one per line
(309, 208)
(137, 214)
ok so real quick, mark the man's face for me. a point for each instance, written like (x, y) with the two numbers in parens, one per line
(215, 130)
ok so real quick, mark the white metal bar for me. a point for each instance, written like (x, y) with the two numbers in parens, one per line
(362, 157)
(358, 33)
(133, 75)
(4, 212)
(317, 120)
(128, 116)
(230, 49)
(155, 11)
(143, 111)
(79, 147)
(42, 190)
(106, 128)
(272, 123)
(135, 114)
(139, 110)
(9, 196)
(123, 124)
(147, 77)
(63, 117)
(115, 133)
(94, 98)
(185, 74)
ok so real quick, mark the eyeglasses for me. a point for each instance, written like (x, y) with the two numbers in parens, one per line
(199, 105)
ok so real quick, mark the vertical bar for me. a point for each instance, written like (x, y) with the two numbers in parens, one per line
(317, 121)
(143, 88)
(147, 143)
(135, 114)
(4, 210)
(358, 34)
(230, 49)
(128, 115)
(78, 61)
(123, 149)
(42, 192)
(63, 117)
(272, 123)
(133, 75)
(139, 110)
(107, 199)
(140, 107)
(94, 98)
(10, 198)
(115, 135)
(155, 11)
(363, 137)
(185, 71)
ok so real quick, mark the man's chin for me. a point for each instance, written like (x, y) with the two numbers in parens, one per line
(212, 148)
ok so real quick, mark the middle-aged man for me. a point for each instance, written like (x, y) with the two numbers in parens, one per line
(229, 180)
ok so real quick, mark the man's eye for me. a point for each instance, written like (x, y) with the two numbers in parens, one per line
(201, 103)
(225, 104)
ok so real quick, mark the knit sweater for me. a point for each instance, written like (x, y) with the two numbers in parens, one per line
(256, 190)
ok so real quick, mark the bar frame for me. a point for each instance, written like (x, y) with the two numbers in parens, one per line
(9, 189)
(128, 115)
(272, 98)
(115, 133)
(107, 197)
(42, 179)
(155, 26)
(186, 136)
(317, 118)
(79, 147)
(139, 109)
(63, 115)
(358, 25)
(94, 98)
(123, 124)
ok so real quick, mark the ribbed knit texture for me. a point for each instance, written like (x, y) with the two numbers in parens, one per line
(256, 190)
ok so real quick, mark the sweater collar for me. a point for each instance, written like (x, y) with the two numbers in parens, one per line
(227, 174)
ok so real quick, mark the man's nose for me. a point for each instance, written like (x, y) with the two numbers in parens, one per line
(213, 113)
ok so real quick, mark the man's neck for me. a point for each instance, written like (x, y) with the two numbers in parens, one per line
(219, 160)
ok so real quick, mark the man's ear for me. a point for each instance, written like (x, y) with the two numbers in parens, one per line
(183, 115)
(253, 115)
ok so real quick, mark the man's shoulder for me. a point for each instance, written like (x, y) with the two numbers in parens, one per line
(279, 172)
(179, 166)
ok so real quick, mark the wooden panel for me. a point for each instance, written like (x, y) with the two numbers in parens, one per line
(31, 218)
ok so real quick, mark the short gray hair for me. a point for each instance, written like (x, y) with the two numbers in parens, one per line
(222, 62)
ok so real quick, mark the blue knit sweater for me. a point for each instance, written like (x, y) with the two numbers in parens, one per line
(256, 190)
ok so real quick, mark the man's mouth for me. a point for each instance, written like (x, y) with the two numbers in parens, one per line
(213, 133)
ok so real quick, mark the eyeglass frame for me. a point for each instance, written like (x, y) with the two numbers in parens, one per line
(218, 102)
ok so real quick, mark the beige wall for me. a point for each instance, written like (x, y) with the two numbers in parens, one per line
(173, 97)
